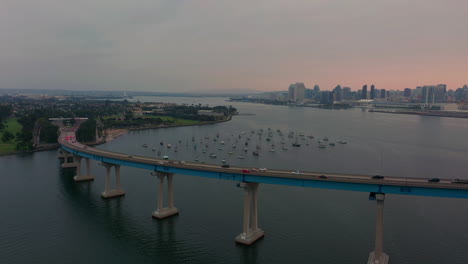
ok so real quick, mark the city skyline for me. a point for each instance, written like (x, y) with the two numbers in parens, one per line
(174, 46)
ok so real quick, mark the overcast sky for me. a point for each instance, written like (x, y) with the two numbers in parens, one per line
(177, 46)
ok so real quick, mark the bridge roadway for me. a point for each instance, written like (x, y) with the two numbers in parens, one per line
(351, 182)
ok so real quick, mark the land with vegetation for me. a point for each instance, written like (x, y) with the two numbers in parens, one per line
(25, 125)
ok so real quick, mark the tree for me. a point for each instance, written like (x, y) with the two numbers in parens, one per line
(87, 131)
(128, 115)
(7, 136)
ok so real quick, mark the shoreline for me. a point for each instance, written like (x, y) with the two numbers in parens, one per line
(115, 133)
(436, 114)
(122, 131)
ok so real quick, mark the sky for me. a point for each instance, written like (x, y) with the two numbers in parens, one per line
(204, 45)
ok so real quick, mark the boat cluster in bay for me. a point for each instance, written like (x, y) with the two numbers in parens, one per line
(242, 145)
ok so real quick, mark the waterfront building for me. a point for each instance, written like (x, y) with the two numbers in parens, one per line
(376, 93)
(347, 94)
(382, 93)
(297, 92)
(292, 91)
(434, 94)
(309, 94)
(372, 91)
(338, 93)
(364, 91)
(326, 97)
(461, 94)
(316, 89)
(300, 92)
(407, 92)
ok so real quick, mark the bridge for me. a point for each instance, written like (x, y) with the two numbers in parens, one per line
(73, 152)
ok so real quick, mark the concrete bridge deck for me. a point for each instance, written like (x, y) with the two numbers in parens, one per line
(351, 182)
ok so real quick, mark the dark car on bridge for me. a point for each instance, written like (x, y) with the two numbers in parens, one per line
(377, 177)
(225, 166)
(434, 180)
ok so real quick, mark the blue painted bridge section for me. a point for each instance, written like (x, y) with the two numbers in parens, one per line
(422, 188)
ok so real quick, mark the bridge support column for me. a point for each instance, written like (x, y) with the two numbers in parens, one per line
(80, 177)
(117, 191)
(250, 232)
(378, 256)
(68, 160)
(163, 212)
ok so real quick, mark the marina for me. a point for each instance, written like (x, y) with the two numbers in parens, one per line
(264, 138)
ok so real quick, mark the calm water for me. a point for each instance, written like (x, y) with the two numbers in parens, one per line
(47, 218)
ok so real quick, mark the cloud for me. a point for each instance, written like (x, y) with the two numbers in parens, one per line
(190, 45)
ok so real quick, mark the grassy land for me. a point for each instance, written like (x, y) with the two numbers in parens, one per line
(112, 116)
(177, 121)
(12, 125)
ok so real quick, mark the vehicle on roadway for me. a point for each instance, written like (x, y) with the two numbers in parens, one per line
(262, 169)
(296, 172)
(378, 177)
(434, 180)
(225, 166)
(245, 171)
(323, 177)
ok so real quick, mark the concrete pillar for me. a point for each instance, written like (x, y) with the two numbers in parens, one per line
(66, 164)
(163, 212)
(161, 193)
(108, 178)
(170, 191)
(78, 166)
(251, 232)
(254, 197)
(378, 256)
(247, 201)
(117, 177)
(79, 176)
(88, 167)
(108, 191)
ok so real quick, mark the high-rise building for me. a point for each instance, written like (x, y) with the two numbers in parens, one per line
(297, 92)
(372, 91)
(434, 94)
(364, 91)
(292, 92)
(338, 93)
(309, 93)
(326, 97)
(316, 88)
(440, 95)
(347, 95)
(407, 92)
(461, 93)
(382, 93)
